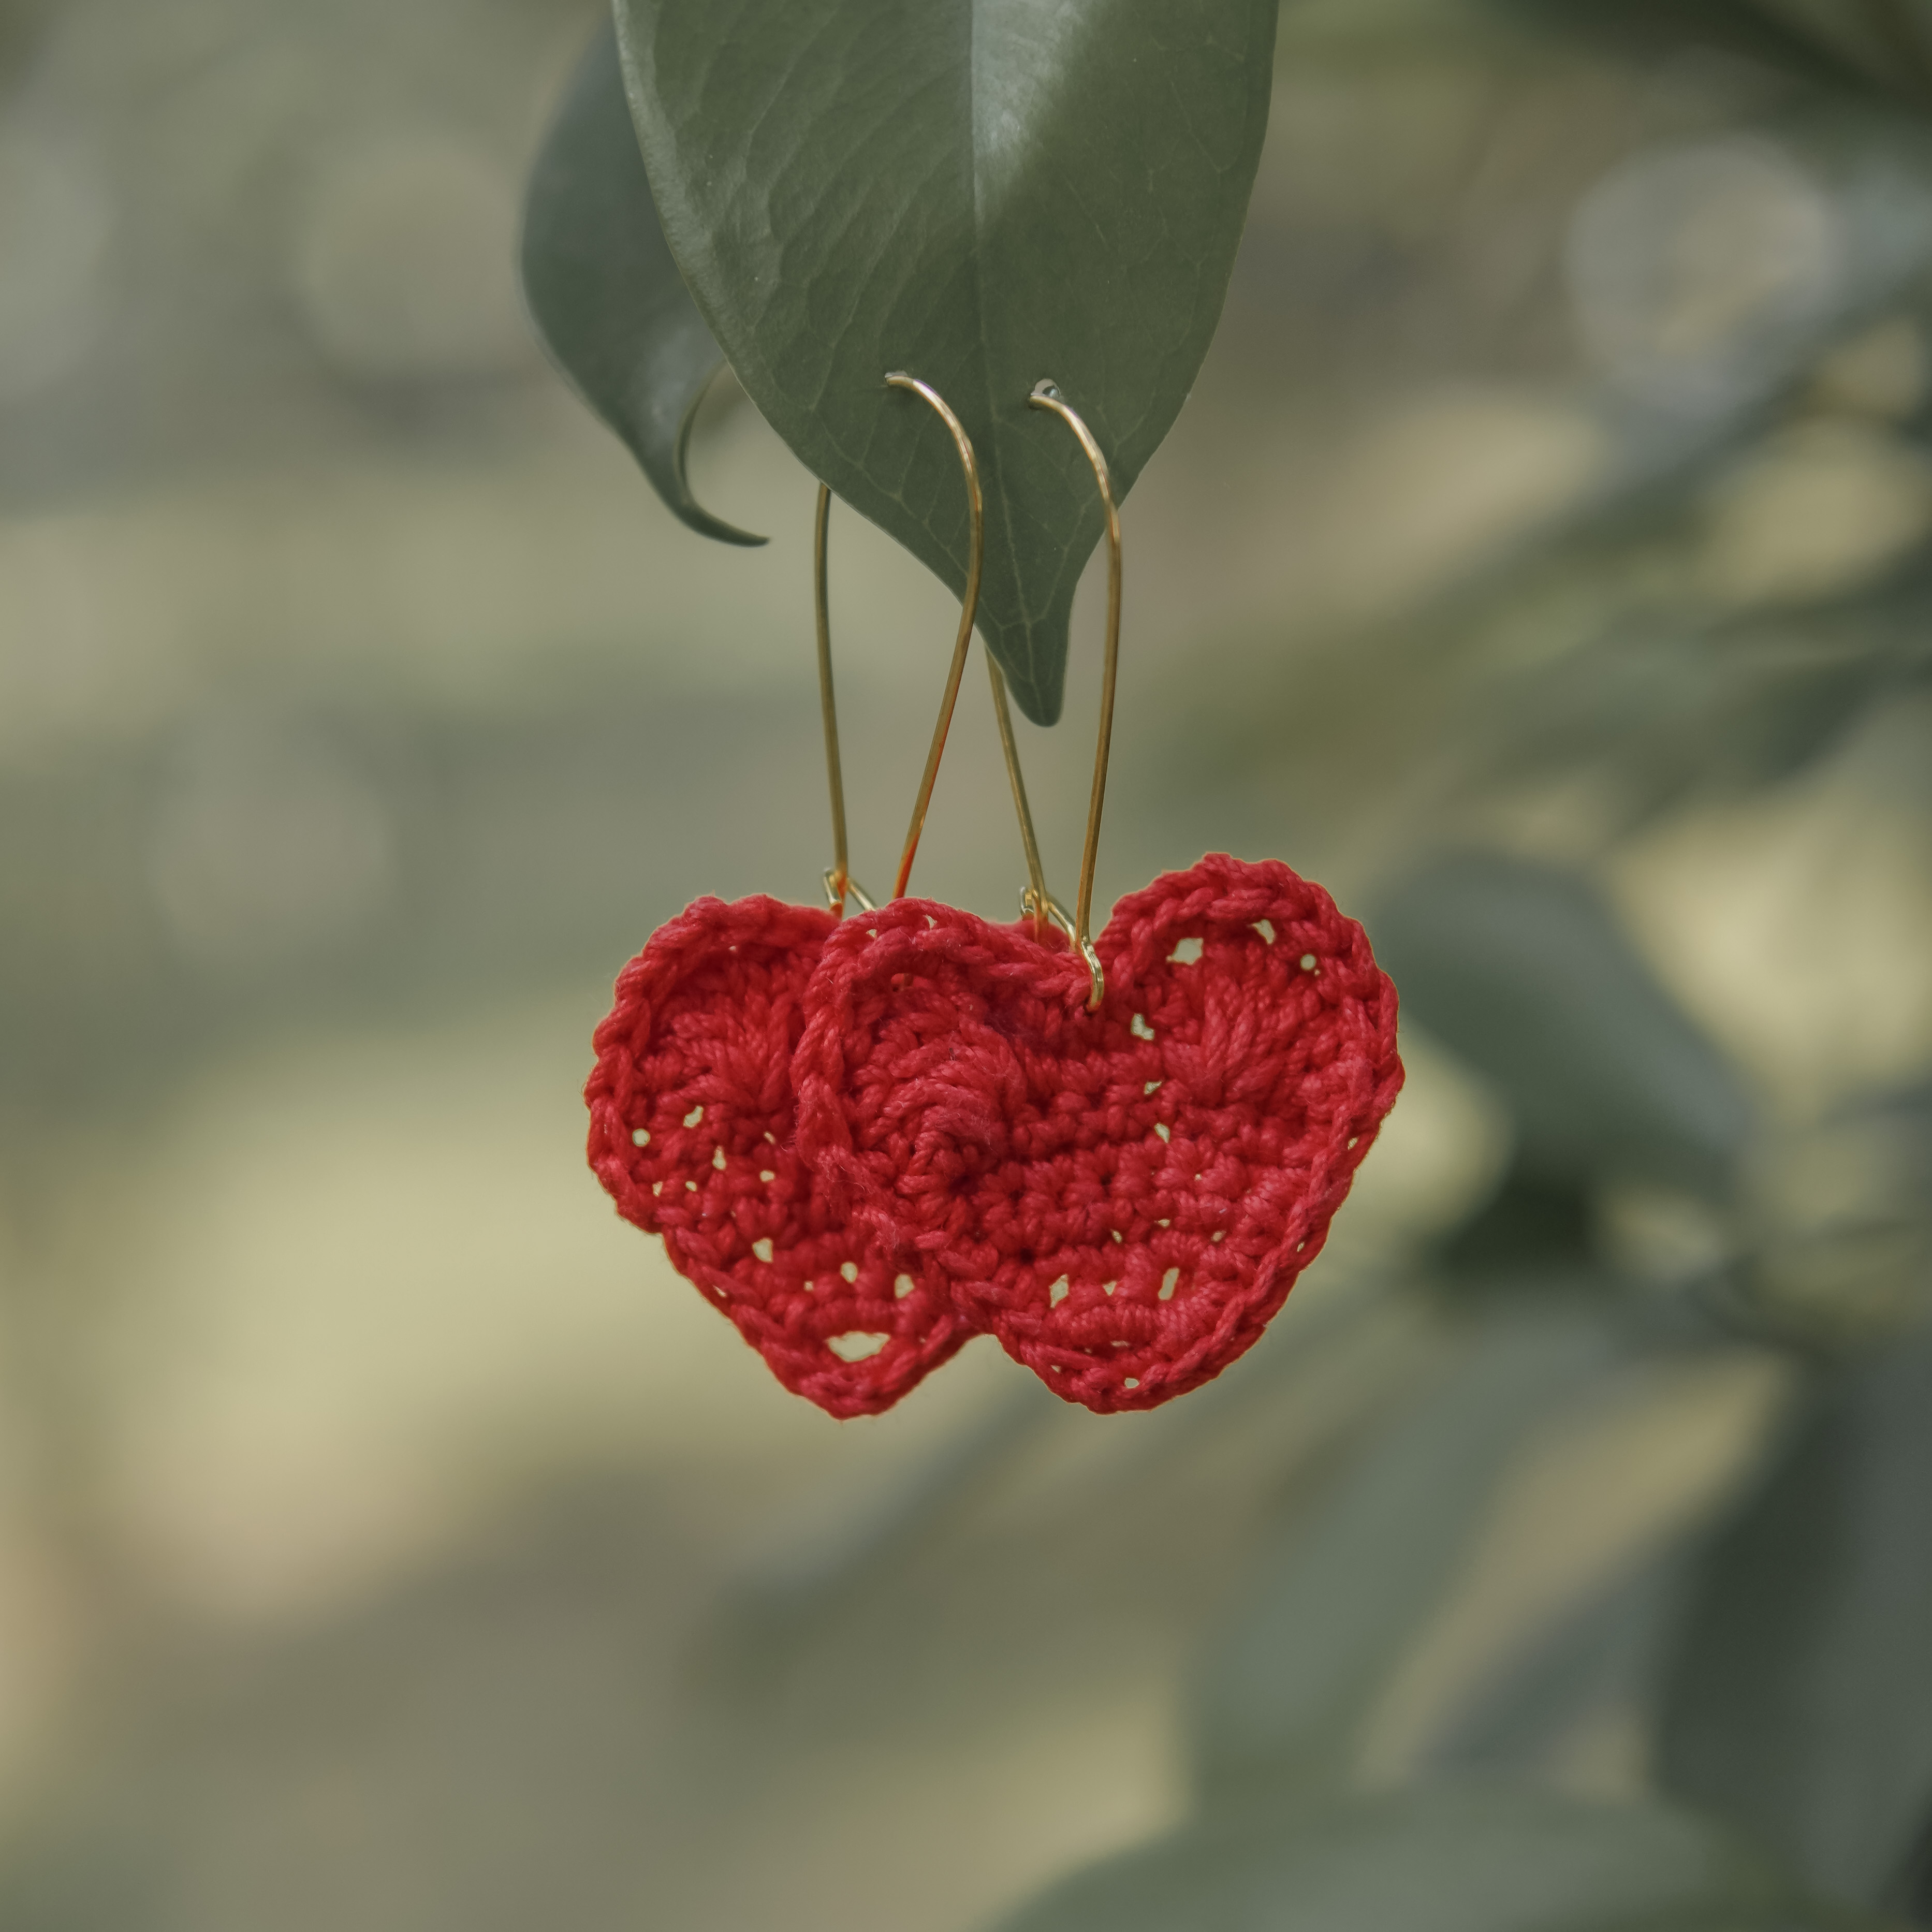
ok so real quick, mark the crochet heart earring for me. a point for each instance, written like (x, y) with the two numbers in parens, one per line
(691, 1112)
(1116, 1159)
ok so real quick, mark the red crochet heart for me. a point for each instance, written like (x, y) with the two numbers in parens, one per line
(1123, 1198)
(692, 1131)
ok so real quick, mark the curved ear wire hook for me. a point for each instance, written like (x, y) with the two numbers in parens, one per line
(968, 609)
(838, 882)
(1046, 396)
(1035, 901)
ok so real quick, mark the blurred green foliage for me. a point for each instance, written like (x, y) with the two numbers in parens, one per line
(1693, 239)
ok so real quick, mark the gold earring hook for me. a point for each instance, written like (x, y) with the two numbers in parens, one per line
(838, 882)
(1035, 901)
(1046, 396)
(968, 609)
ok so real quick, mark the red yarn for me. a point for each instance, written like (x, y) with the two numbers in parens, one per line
(696, 1055)
(1123, 1198)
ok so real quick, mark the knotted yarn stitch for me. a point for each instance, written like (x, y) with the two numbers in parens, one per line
(1124, 1198)
(692, 1134)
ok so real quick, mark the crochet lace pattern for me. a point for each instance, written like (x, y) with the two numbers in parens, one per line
(1123, 1198)
(691, 1132)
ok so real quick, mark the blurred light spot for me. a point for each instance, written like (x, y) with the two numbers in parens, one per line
(718, 1159)
(1693, 270)
(1729, 903)
(402, 268)
(855, 1347)
(849, 1269)
(56, 222)
(1442, 479)
(1814, 514)
(1661, 1235)
(1308, 962)
(265, 845)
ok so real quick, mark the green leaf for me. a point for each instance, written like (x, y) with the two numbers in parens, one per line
(1608, 1655)
(1825, 41)
(1442, 1861)
(1340, 1597)
(1800, 1702)
(1522, 971)
(984, 193)
(1887, 41)
(604, 292)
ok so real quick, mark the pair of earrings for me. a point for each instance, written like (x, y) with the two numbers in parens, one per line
(867, 1140)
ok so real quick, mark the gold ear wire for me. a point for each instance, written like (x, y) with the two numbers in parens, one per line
(1035, 901)
(838, 882)
(969, 608)
(1046, 396)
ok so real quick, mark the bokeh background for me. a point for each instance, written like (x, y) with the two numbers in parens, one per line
(388, 1538)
